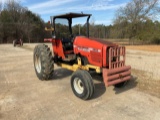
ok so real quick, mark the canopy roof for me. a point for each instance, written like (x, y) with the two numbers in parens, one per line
(72, 15)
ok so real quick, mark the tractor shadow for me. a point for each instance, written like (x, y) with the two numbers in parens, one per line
(129, 85)
(100, 88)
(61, 73)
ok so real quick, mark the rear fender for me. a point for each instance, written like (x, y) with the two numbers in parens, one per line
(56, 46)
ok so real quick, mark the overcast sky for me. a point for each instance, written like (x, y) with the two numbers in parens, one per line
(102, 10)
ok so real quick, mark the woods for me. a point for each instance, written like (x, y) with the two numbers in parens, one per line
(18, 22)
(136, 21)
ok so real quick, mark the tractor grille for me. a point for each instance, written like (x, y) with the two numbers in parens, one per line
(116, 57)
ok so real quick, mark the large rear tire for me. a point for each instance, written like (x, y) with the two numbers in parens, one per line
(43, 62)
(82, 84)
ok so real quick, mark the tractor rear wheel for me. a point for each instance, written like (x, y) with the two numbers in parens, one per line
(82, 84)
(43, 62)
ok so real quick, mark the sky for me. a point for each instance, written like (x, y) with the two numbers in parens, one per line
(103, 11)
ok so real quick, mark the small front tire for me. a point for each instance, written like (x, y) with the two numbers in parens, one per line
(82, 84)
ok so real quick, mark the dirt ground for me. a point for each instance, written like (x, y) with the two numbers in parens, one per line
(24, 97)
(146, 66)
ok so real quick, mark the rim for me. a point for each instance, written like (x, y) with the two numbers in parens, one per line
(37, 63)
(78, 85)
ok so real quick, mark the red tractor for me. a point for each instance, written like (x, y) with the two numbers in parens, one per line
(80, 54)
(17, 42)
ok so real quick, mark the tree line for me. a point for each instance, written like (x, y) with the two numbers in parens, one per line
(136, 21)
(18, 22)
(139, 21)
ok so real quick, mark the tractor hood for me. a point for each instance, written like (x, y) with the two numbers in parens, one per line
(92, 42)
(104, 42)
(95, 50)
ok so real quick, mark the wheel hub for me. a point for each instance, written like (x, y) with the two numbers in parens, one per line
(37, 63)
(78, 85)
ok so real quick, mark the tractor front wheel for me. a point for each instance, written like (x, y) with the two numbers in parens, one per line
(82, 84)
(43, 62)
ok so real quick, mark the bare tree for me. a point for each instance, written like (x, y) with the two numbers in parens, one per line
(135, 12)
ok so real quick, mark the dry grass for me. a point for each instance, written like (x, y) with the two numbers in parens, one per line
(122, 43)
(151, 48)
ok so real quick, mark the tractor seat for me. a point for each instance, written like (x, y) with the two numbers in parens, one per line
(67, 46)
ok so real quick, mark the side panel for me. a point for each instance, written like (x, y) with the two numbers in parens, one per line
(92, 50)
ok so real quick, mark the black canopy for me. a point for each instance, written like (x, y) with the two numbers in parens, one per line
(72, 15)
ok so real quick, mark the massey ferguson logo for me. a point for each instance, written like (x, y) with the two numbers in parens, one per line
(121, 76)
(87, 49)
(83, 49)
